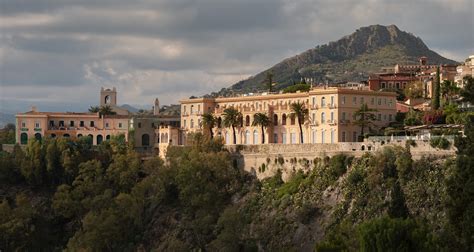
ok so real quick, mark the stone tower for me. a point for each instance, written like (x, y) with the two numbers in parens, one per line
(108, 97)
(156, 107)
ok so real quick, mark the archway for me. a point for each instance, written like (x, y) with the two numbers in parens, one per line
(247, 120)
(23, 138)
(275, 119)
(100, 138)
(79, 135)
(38, 136)
(283, 119)
(145, 140)
(107, 99)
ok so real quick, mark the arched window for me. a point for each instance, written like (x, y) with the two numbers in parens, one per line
(332, 136)
(79, 135)
(292, 137)
(100, 138)
(145, 140)
(283, 138)
(275, 119)
(293, 119)
(255, 137)
(23, 138)
(283, 119)
(227, 138)
(192, 123)
(38, 136)
(323, 117)
(107, 99)
(247, 120)
(323, 101)
(247, 137)
(313, 136)
(192, 109)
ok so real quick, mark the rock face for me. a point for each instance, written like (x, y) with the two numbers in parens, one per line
(351, 58)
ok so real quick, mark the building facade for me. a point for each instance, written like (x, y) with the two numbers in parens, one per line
(38, 125)
(330, 120)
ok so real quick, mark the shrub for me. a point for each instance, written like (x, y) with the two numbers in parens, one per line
(440, 142)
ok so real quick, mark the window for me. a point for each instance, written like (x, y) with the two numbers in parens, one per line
(383, 84)
(343, 116)
(71, 123)
(379, 117)
(380, 101)
(313, 117)
(139, 125)
(275, 119)
(283, 119)
(37, 125)
(322, 136)
(51, 123)
(292, 119)
(192, 123)
(354, 100)
(372, 101)
(362, 100)
(247, 137)
(343, 138)
(81, 123)
(120, 125)
(275, 138)
(293, 137)
(247, 120)
(255, 137)
(184, 109)
(184, 123)
(323, 117)
(343, 100)
(61, 123)
(91, 123)
(314, 101)
(332, 116)
(199, 108)
(106, 124)
(323, 101)
(23, 124)
(192, 109)
(332, 101)
(283, 137)
(332, 136)
(313, 136)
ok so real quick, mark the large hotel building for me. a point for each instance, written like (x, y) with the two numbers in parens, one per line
(331, 115)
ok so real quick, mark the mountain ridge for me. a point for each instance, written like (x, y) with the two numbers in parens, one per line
(351, 58)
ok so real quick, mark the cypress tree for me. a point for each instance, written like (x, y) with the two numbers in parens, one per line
(436, 91)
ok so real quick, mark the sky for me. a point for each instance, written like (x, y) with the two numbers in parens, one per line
(56, 54)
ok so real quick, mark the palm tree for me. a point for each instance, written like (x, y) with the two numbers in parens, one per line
(262, 120)
(94, 109)
(363, 117)
(209, 121)
(232, 118)
(106, 110)
(299, 111)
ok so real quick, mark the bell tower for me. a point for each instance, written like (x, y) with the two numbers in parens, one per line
(108, 96)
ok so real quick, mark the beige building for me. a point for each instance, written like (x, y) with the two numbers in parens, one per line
(331, 112)
(466, 69)
(35, 124)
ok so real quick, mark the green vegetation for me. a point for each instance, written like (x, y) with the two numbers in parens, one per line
(297, 87)
(7, 134)
(232, 118)
(440, 142)
(364, 117)
(209, 122)
(435, 103)
(262, 120)
(63, 194)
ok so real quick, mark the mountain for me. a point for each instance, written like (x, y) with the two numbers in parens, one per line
(129, 108)
(6, 119)
(351, 58)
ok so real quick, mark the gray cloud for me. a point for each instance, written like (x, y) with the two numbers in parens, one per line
(55, 51)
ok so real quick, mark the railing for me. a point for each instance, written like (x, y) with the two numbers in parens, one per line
(344, 122)
(403, 138)
(332, 122)
(332, 106)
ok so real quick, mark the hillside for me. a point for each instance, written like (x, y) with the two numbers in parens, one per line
(351, 58)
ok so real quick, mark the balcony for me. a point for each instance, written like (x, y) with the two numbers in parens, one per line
(344, 122)
(332, 122)
(315, 106)
(332, 106)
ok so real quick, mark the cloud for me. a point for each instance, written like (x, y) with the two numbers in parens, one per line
(63, 51)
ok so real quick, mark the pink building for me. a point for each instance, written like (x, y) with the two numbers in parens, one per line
(35, 124)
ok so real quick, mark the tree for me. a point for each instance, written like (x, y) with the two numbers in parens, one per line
(460, 201)
(106, 110)
(412, 118)
(436, 91)
(209, 121)
(7, 134)
(299, 111)
(94, 109)
(232, 118)
(269, 81)
(414, 90)
(262, 120)
(467, 92)
(448, 91)
(364, 117)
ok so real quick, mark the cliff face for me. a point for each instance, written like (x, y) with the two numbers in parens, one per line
(351, 58)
